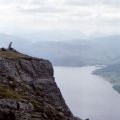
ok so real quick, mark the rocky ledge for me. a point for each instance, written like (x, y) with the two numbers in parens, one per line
(28, 90)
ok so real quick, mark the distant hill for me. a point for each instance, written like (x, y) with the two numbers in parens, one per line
(112, 74)
(77, 52)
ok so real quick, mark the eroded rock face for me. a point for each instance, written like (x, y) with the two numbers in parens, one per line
(28, 90)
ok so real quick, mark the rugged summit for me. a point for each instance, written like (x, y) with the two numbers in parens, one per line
(28, 90)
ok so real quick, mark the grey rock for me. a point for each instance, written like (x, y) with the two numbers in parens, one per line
(29, 90)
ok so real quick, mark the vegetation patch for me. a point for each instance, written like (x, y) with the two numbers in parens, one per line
(8, 93)
(11, 54)
(38, 106)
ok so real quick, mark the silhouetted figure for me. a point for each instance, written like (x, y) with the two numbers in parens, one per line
(10, 46)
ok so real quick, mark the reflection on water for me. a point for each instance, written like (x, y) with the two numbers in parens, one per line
(88, 95)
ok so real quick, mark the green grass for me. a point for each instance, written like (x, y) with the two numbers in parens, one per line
(11, 54)
(7, 92)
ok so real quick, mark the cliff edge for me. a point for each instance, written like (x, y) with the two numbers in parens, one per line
(28, 90)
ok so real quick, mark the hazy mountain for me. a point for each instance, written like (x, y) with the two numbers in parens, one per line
(69, 53)
(48, 35)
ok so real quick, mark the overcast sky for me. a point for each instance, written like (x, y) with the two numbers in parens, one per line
(89, 17)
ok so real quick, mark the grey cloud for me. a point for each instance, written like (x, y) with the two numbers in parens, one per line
(109, 22)
(38, 2)
(6, 1)
(81, 2)
(93, 2)
(67, 2)
(112, 2)
(41, 9)
(23, 1)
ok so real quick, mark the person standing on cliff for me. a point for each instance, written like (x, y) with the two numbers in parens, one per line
(10, 46)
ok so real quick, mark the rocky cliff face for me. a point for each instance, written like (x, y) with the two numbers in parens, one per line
(28, 90)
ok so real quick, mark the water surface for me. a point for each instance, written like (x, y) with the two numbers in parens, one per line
(88, 95)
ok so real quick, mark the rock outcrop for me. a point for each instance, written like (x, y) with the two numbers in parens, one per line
(28, 90)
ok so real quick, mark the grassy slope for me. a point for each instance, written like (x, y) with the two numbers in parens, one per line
(12, 54)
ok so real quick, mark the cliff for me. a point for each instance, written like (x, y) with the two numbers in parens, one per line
(28, 90)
